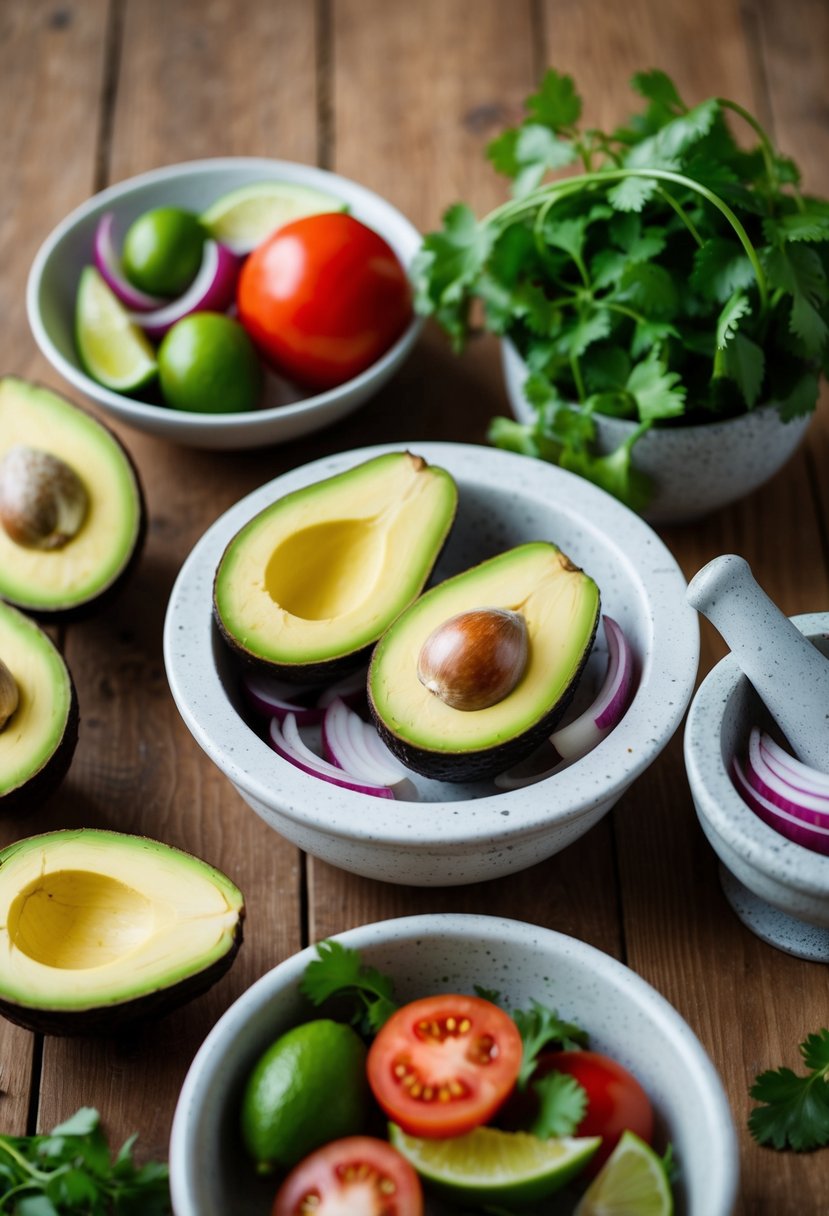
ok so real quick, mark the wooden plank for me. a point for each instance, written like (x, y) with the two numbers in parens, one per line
(191, 84)
(51, 68)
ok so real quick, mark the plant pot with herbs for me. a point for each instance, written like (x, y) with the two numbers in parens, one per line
(664, 312)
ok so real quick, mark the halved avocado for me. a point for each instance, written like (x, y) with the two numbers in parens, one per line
(312, 581)
(67, 577)
(98, 929)
(560, 606)
(38, 713)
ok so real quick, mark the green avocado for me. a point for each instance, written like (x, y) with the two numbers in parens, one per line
(47, 444)
(560, 607)
(38, 713)
(99, 928)
(310, 583)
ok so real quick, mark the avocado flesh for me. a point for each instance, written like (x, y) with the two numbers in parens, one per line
(100, 928)
(561, 608)
(69, 579)
(38, 740)
(314, 579)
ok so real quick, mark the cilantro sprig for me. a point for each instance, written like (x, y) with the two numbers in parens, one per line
(69, 1170)
(678, 277)
(795, 1109)
(339, 971)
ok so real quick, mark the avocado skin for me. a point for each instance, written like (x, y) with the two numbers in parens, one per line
(58, 615)
(483, 765)
(110, 1019)
(32, 793)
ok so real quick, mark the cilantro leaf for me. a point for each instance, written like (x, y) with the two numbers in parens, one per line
(339, 971)
(799, 272)
(811, 224)
(720, 268)
(556, 104)
(650, 289)
(658, 392)
(795, 1109)
(657, 86)
(801, 398)
(735, 309)
(446, 266)
(540, 1026)
(745, 364)
(631, 193)
(562, 1105)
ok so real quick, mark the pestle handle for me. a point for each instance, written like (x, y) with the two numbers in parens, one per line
(788, 672)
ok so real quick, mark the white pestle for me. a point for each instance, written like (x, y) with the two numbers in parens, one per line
(789, 673)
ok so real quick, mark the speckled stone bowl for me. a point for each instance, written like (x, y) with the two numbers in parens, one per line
(623, 1015)
(456, 833)
(778, 888)
(695, 469)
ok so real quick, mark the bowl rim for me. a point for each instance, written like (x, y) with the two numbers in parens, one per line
(130, 408)
(715, 1111)
(671, 660)
(728, 816)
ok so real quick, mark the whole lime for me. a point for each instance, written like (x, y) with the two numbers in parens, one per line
(163, 250)
(207, 364)
(309, 1087)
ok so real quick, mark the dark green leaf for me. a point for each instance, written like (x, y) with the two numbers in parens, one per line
(539, 1027)
(339, 971)
(608, 369)
(745, 364)
(607, 267)
(657, 86)
(720, 268)
(556, 104)
(575, 338)
(672, 142)
(650, 289)
(658, 392)
(801, 399)
(735, 309)
(568, 235)
(799, 226)
(614, 472)
(797, 270)
(795, 1109)
(562, 1105)
(649, 334)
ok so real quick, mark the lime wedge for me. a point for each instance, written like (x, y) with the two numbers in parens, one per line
(632, 1182)
(112, 348)
(488, 1165)
(242, 219)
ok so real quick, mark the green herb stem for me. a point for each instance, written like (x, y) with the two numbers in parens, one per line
(765, 143)
(683, 215)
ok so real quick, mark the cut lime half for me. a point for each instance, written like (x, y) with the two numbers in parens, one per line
(490, 1166)
(242, 219)
(632, 1182)
(111, 347)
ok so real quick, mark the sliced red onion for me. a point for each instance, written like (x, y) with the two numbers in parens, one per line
(811, 808)
(797, 774)
(349, 689)
(579, 737)
(792, 827)
(274, 698)
(285, 739)
(109, 267)
(212, 290)
(355, 746)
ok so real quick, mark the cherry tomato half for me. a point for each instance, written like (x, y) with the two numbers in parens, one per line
(615, 1099)
(443, 1065)
(323, 297)
(358, 1175)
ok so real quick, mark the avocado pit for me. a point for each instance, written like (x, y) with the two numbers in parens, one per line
(43, 502)
(9, 694)
(474, 659)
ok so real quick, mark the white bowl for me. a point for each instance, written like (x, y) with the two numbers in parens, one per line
(457, 833)
(624, 1016)
(778, 888)
(694, 469)
(53, 282)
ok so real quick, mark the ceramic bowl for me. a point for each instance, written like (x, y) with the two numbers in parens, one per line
(623, 1015)
(285, 413)
(694, 469)
(778, 888)
(455, 833)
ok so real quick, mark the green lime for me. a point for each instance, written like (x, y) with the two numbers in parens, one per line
(163, 250)
(632, 1182)
(489, 1165)
(207, 364)
(112, 349)
(243, 218)
(309, 1087)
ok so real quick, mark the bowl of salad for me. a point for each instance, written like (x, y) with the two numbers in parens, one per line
(446, 1063)
(229, 302)
(291, 647)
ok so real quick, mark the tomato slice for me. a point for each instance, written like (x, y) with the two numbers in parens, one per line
(444, 1064)
(356, 1176)
(615, 1099)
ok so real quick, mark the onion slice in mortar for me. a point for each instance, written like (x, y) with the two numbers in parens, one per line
(285, 739)
(579, 737)
(793, 827)
(811, 808)
(108, 264)
(275, 699)
(794, 772)
(212, 290)
(355, 746)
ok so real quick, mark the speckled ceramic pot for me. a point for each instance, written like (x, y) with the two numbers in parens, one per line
(778, 888)
(694, 469)
(455, 833)
(623, 1015)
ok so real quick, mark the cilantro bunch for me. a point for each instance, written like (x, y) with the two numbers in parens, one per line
(676, 278)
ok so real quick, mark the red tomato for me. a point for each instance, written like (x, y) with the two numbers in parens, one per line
(323, 298)
(443, 1065)
(615, 1099)
(358, 1175)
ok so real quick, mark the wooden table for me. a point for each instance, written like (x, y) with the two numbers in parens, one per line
(403, 97)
